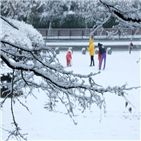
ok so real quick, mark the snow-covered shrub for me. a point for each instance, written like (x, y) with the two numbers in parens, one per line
(35, 37)
(21, 34)
(26, 35)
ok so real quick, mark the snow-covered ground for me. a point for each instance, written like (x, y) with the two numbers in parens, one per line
(116, 124)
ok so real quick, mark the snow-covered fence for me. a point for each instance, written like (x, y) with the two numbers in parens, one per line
(65, 32)
(85, 32)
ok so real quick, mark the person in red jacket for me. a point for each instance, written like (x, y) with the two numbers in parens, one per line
(99, 58)
(68, 58)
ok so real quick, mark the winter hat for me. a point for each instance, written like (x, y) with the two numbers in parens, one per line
(70, 51)
(99, 44)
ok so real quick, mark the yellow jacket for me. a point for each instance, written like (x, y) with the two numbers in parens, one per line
(91, 47)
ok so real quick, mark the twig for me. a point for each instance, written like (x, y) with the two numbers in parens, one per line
(138, 60)
(24, 105)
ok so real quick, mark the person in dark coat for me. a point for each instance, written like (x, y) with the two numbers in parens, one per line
(102, 52)
(130, 47)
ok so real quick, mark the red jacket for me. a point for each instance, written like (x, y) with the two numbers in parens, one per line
(68, 56)
(99, 56)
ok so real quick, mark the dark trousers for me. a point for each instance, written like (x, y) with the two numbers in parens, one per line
(92, 61)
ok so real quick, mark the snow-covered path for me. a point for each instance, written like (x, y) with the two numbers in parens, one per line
(116, 124)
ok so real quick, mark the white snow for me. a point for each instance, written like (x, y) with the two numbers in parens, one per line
(71, 12)
(116, 124)
(28, 36)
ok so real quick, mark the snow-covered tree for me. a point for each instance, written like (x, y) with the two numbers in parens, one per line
(25, 55)
(127, 13)
(48, 9)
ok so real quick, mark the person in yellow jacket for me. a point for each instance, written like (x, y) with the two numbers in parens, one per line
(91, 49)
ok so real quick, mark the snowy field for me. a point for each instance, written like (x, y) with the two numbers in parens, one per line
(116, 124)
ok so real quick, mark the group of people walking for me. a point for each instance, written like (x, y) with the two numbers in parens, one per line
(101, 54)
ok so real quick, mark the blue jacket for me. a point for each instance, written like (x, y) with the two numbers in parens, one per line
(102, 50)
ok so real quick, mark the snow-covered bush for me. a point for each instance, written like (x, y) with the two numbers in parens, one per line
(23, 35)
(26, 35)
(29, 31)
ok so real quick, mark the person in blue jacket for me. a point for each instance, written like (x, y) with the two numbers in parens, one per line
(102, 52)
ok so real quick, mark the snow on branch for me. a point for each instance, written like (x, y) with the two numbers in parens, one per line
(37, 67)
(9, 22)
(131, 14)
(99, 25)
(62, 81)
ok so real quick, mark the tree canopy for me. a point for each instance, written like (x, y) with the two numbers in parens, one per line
(127, 13)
